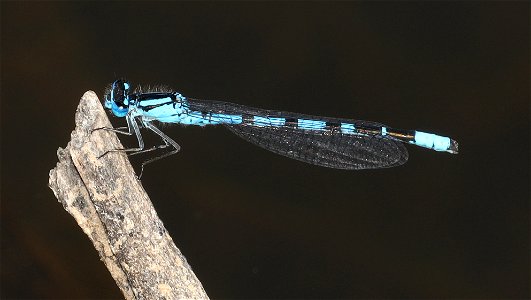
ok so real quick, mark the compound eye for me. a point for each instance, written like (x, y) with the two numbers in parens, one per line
(118, 98)
(120, 93)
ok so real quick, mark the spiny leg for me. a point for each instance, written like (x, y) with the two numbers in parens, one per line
(119, 130)
(167, 142)
(132, 127)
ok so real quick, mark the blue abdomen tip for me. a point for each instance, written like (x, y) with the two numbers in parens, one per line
(432, 141)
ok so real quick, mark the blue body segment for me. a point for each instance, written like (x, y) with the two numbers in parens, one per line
(330, 142)
(268, 121)
(311, 124)
(347, 128)
(432, 141)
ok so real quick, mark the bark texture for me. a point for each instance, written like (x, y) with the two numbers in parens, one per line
(111, 207)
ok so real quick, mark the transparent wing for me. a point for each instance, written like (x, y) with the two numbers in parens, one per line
(339, 151)
(331, 149)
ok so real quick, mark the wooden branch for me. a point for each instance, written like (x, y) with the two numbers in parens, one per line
(110, 205)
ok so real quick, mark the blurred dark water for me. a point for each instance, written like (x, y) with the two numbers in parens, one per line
(256, 225)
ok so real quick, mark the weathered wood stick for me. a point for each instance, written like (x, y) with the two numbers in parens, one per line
(110, 205)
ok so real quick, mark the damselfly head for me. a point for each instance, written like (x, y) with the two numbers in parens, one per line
(117, 97)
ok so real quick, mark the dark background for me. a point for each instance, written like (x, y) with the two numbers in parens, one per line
(256, 225)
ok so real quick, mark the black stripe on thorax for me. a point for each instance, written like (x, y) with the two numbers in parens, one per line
(139, 98)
